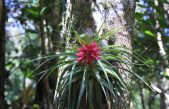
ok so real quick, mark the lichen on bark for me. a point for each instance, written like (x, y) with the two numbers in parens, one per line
(117, 14)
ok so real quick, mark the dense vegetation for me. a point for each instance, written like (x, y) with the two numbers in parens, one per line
(38, 36)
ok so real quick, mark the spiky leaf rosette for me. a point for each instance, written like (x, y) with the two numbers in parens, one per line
(89, 77)
(91, 80)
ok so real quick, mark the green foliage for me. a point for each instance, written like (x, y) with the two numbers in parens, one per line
(145, 43)
(99, 82)
(78, 82)
(149, 33)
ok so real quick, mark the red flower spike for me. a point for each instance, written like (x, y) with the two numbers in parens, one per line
(88, 53)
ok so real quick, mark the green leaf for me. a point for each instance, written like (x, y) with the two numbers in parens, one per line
(43, 10)
(70, 83)
(90, 94)
(105, 73)
(149, 33)
(82, 88)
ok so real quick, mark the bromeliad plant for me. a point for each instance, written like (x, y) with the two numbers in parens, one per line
(89, 76)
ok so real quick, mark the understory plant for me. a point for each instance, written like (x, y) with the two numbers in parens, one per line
(89, 74)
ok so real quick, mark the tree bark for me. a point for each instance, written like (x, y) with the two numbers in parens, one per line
(77, 17)
(42, 96)
(119, 15)
(112, 14)
(2, 54)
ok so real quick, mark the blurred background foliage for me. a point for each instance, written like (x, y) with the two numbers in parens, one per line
(23, 43)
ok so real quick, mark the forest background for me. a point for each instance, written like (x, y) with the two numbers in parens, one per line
(30, 29)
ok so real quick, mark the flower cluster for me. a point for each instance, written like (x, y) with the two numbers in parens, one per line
(88, 53)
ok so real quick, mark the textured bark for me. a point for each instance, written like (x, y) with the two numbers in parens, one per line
(77, 17)
(66, 16)
(107, 15)
(119, 15)
(2, 54)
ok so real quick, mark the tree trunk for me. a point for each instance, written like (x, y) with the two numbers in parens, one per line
(141, 94)
(112, 14)
(2, 54)
(163, 82)
(56, 39)
(43, 97)
(118, 15)
(54, 19)
(77, 17)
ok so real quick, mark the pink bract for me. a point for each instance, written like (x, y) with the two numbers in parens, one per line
(88, 53)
